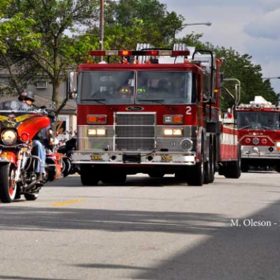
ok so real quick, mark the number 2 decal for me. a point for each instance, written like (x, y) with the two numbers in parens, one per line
(188, 110)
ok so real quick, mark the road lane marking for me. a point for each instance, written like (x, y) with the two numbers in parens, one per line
(66, 202)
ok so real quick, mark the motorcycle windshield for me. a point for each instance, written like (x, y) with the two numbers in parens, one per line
(15, 106)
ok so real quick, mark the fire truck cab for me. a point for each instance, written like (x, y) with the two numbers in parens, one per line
(259, 134)
(153, 111)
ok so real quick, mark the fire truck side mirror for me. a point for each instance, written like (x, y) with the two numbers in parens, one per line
(72, 84)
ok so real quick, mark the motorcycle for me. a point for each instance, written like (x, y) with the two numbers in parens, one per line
(17, 157)
(67, 148)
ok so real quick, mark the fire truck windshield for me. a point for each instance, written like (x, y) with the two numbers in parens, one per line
(136, 87)
(164, 87)
(258, 120)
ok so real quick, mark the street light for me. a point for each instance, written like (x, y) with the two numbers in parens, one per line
(269, 78)
(197, 23)
(191, 24)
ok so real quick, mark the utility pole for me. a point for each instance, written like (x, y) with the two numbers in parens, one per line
(101, 24)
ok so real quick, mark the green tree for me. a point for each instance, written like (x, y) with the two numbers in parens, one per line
(147, 21)
(238, 66)
(41, 34)
(47, 37)
(242, 68)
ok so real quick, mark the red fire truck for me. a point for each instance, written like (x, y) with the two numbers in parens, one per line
(152, 111)
(259, 134)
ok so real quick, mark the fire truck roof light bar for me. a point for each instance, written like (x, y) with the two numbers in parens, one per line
(140, 53)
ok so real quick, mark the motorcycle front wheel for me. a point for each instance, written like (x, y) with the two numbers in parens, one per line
(8, 185)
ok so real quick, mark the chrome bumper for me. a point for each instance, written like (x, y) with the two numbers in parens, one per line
(259, 152)
(153, 158)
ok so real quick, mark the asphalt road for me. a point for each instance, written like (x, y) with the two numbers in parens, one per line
(147, 229)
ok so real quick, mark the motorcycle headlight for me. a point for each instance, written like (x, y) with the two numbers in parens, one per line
(9, 137)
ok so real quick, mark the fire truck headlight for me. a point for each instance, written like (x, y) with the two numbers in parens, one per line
(96, 132)
(278, 146)
(172, 132)
(186, 144)
(9, 137)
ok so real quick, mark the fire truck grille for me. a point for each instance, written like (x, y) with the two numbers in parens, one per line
(135, 132)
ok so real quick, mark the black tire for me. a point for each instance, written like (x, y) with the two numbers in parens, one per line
(277, 168)
(8, 186)
(90, 176)
(51, 174)
(197, 175)
(31, 196)
(233, 170)
(66, 166)
(156, 174)
(183, 174)
(209, 168)
(116, 178)
(244, 167)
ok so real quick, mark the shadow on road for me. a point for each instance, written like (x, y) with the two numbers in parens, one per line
(49, 219)
(139, 180)
(231, 253)
(26, 278)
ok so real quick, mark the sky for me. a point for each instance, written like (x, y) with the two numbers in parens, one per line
(248, 26)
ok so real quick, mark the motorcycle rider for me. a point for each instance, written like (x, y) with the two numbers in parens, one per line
(27, 100)
(40, 140)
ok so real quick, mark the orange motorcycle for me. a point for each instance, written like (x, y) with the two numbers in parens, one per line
(17, 156)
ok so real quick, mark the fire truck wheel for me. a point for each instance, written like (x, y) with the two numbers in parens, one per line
(116, 178)
(208, 173)
(89, 175)
(277, 168)
(197, 175)
(209, 168)
(244, 167)
(233, 170)
(182, 175)
(156, 174)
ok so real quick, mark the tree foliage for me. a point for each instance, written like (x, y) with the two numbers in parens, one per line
(48, 37)
(134, 21)
(38, 34)
(249, 74)
(236, 66)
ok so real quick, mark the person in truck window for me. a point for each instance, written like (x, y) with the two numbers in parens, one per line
(125, 90)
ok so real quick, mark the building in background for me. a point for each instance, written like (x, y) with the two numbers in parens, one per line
(42, 89)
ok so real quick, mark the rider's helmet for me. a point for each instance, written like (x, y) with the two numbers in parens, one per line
(26, 95)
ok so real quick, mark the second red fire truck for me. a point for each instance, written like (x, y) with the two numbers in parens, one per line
(152, 111)
(259, 134)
